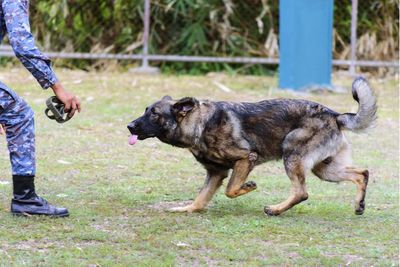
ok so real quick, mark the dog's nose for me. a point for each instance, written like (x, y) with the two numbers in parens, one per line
(131, 126)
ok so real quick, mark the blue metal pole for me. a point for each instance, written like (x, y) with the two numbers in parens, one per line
(305, 43)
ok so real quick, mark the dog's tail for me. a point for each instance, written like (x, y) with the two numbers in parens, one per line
(366, 114)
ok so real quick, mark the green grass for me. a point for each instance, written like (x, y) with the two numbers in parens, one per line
(117, 194)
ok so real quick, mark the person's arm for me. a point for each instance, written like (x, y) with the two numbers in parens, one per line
(16, 17)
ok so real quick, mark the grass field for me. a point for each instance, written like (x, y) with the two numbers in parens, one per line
(117, 194)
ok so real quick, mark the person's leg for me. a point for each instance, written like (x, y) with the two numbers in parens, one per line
(18, 118)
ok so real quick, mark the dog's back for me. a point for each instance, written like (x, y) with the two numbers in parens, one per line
(266, 124)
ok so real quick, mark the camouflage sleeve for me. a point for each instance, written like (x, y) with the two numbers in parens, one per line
(21, 39)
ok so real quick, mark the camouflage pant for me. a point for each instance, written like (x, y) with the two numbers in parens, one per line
(17, 117)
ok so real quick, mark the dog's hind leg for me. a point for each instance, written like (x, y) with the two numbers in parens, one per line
(336, 169)
(237, 185)
(212, 183)
(298, 192)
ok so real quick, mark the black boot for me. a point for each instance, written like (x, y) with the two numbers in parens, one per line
(26, 202)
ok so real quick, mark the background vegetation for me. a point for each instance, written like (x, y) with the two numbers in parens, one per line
(198, 27)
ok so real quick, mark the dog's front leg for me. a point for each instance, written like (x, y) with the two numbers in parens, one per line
(237, 186)
(213, 182)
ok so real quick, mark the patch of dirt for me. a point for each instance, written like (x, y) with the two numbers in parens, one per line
(268, 244)
(348, 258)
(108, 226)
(165, 206)
(44, 245)
(196, 257)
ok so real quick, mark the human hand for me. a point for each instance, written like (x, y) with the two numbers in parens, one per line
(2, 129)
(71, 102)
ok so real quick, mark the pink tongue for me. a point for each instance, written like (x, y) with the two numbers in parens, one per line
(133, 139)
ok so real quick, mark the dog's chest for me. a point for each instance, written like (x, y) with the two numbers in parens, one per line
(213, 156)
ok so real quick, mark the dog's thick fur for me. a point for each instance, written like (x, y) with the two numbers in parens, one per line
(239, 136)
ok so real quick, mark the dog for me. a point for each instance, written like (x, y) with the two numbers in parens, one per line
(239, 136)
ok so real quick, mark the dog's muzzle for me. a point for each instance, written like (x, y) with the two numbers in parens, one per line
(132, 127)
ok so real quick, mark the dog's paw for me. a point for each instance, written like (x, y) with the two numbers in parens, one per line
(360, 209)
(178, 209)
(253, 156)
(188, 209)
(270, 212)
(249, 186)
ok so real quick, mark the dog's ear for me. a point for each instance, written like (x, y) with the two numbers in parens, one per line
(184, 105)
(166, 98)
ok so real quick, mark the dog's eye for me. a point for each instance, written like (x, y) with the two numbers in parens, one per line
(153, 113)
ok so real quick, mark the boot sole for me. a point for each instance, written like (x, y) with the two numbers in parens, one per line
(24, 214)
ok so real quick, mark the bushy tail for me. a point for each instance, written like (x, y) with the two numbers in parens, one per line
(366, 114)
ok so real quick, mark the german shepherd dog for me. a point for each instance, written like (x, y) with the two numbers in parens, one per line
(239, 136)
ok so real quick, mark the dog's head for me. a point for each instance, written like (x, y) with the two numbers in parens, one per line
(163, 119)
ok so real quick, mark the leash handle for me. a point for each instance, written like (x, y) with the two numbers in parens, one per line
(57, 109)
